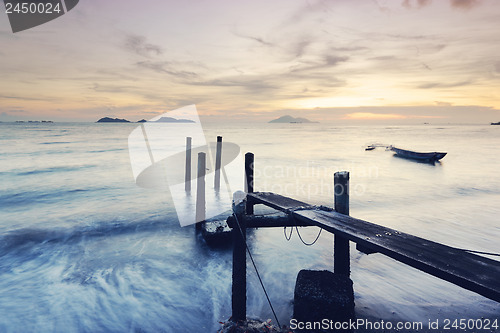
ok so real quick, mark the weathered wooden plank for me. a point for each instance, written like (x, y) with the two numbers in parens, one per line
(277, 201)
(470, 271)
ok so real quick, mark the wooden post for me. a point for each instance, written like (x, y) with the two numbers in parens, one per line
(200, 190)
(249, 165)
(218, 157)
(341, 264)
(239, 288)
(187, 180)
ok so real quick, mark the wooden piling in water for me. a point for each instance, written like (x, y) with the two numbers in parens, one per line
(187, 179)
(341, 259)
(218, 158)
(249, 173)
(200, 190)
(239, 287)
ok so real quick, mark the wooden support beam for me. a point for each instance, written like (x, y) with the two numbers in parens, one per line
(200, 190)
(239, 287)
(341, 258)
(249, 168)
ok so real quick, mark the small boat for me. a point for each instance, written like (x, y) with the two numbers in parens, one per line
(426, 157)
(496, 123)
(370, 148)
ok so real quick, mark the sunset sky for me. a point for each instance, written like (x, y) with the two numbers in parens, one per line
(345, 61)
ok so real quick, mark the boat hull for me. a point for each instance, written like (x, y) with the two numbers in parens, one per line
(427, 157)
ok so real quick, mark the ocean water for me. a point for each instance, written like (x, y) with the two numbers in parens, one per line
(84, 249)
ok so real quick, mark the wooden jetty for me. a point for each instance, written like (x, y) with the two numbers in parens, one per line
(470, 271)
(475, 273)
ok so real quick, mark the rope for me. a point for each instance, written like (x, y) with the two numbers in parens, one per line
(308, 244)
(290, 236)
(257, 271)
(290, 213)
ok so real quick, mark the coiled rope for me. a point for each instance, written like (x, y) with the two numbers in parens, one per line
(300, 237)
(290, 213)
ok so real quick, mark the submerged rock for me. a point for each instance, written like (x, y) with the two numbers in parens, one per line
(216, 233)
(323, 295)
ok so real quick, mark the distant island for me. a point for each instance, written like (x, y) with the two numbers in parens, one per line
(161, 120)
(496, 123)
(171, 120)
(35, 121)
(290, 119)
(112, 120)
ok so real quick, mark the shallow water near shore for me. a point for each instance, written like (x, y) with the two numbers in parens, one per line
(83, 249)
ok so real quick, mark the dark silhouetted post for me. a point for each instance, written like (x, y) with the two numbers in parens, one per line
(218, 157)
(200, 190)
(249, 165)
(341, 263)
(187, 181)
(239, 288)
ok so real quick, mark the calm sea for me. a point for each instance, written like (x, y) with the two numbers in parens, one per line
(84, 249)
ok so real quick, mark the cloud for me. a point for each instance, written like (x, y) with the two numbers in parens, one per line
(382, 8)
(259, 40)
(12, 115)
(137, 44)
(300, 47)
(405, 114)
(253, 83)
(325, 62)
(460, 4)
(23, 98)
(110, 88)
(465, 4)
(319, 6)
(371, 116)
(432, 85)
(167, 67)
(5, 116)
(410, 4)
(440, 103)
